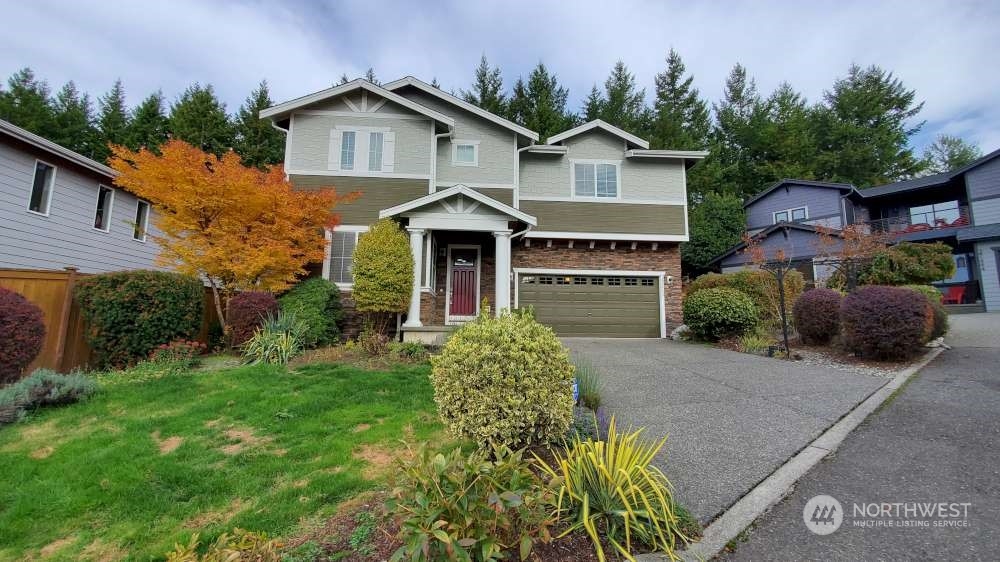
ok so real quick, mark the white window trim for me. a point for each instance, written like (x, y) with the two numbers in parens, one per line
(455, 143)
(354, 150)
(362, 140)
(111, 207)
(52, 188)
(381, 152)
(572, 179)
(145, 230)
(774, 215)
(358, 230)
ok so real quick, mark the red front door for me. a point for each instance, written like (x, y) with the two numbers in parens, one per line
(464, 281)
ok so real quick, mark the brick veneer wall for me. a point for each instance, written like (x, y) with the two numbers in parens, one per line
(665, 258)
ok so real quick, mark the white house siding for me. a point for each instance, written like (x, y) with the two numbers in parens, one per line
(986, 255)
(309, 142)
(66, 237)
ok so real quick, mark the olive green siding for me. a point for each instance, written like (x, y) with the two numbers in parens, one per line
(580, 216)
(374, 194)
(575, 310)
(505, 196)
(309, 141)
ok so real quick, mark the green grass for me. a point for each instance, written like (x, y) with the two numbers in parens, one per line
(256, 447)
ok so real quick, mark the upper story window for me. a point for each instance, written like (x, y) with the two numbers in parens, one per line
(595, 179)
(362, 150)
(791, 215)
(348, 142)
(465, 153)
(41, 188)
(375, 141)
(141, 220)
(937, 214)
(105, 202)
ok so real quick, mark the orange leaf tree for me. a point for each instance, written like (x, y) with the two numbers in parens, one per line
(238, 228)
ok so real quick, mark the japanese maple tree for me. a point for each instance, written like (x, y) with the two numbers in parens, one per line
(237, 227)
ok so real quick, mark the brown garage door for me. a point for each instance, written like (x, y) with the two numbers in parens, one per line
(593, 305)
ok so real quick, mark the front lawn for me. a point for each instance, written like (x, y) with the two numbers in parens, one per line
(143, 465)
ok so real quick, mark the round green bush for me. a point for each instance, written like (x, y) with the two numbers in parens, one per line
(383, 269)
(760, 286)
(888, 323)
(316, 302)
(504, 380)
(22, 334)
(719, 312)
(817, 315)
(246, 312)
(129, 313)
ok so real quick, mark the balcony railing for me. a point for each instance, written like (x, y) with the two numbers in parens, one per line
(922, 222)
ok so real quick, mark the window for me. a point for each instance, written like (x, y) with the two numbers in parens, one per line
(647, 281)
(631, 282)
(791, 215)
(375, 152)
(141, 220)
(614, 281)
(347, 143)
(465, 153)
(105, 200)
(595, 180)
(938, 214)
(41, 188)
(342, 244)
(579, 280)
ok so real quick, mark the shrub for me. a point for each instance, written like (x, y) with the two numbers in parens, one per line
(129, 313)
(707, 281)
(589, 385)
(383, 271)
(372, 340)
(760, 286)
(457, 507)
(885, 322)
(277, 340)
(755, 342)
(408, 350)
(246, 312)
(716, 313)
(936, 299)
(42, 388)
(316, 302)
(182, 353)
(505, 380)
(610, 487)
(817, 315)
(22, 333)
(909, 263)
(241, 545)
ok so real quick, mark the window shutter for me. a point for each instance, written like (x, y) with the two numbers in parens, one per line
(333, 159)
(388, 151)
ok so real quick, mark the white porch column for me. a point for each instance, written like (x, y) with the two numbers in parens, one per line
(502, 238)
(417, 249)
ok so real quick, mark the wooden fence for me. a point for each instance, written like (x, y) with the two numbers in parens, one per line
(65, 346)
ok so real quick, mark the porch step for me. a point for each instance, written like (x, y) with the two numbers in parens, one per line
(965, 308)
(428, 335)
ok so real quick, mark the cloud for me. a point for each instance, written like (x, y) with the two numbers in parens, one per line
(944, 50)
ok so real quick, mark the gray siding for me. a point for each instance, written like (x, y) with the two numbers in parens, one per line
(986, 211)
(798, 244)
(822, 203)
(67, 236)
(986, 256)
(984, 181)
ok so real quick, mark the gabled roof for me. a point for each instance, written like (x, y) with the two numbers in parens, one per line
(770, 230)
(52, 148)
(598, 124)
(458, 190)
(291, 105)
(788, 181)
(926, 181)
(458, 102)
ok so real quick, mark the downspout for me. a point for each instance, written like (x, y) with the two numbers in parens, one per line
(433, 186)
(517, 173)
(287, 139)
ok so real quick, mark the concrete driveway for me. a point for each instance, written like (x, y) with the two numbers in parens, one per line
(731, 418)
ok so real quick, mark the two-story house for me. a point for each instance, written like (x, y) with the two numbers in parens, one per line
(584, 228)
(60, 209)
(960, 208)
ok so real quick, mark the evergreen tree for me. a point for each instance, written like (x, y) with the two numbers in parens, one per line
(148, 125)
(864, 126)
(540, 105)
(257, 142)
(344, 79)
(74, 121)
(112, 120)
(487, 90)
(624, 104)
(26, 104)
(787, 143)
(370, 76)
(681, 119)
(949, 153)
(435, 83)
(593, 105)
(734, 152)
(716, 224)
(200, 119)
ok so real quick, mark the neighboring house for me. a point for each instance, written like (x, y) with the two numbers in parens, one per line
(960, 208)
(60, 209)
(585, 228)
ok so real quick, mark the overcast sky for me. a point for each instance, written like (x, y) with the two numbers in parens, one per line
(947, 51)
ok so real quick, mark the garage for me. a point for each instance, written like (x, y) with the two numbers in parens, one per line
(613, 305)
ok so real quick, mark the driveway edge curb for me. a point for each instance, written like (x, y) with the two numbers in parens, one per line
(772, 489)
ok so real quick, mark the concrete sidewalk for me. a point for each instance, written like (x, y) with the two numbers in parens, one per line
(731, 418)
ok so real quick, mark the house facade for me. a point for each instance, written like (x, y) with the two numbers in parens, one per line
(59, 209)
(960, 208)
(584, 228)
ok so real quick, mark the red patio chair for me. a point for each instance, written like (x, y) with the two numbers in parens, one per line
(954, 295)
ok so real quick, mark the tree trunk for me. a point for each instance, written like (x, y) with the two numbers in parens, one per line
(219, 310)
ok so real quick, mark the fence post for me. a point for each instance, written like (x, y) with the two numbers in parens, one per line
(64, 319)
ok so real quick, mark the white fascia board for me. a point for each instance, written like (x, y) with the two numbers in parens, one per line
(678, 154)
(458, 190)
(617, 236)
(598, 124)
(53, 148)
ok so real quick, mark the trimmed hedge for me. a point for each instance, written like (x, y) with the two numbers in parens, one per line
(719, 312)
(22, 334)
(129, 313)
(246, 312)
(936, 298)
(383, 269)
(817, 315)
(504, 380)
(316, 302)
(760, 286)
(888, 323)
